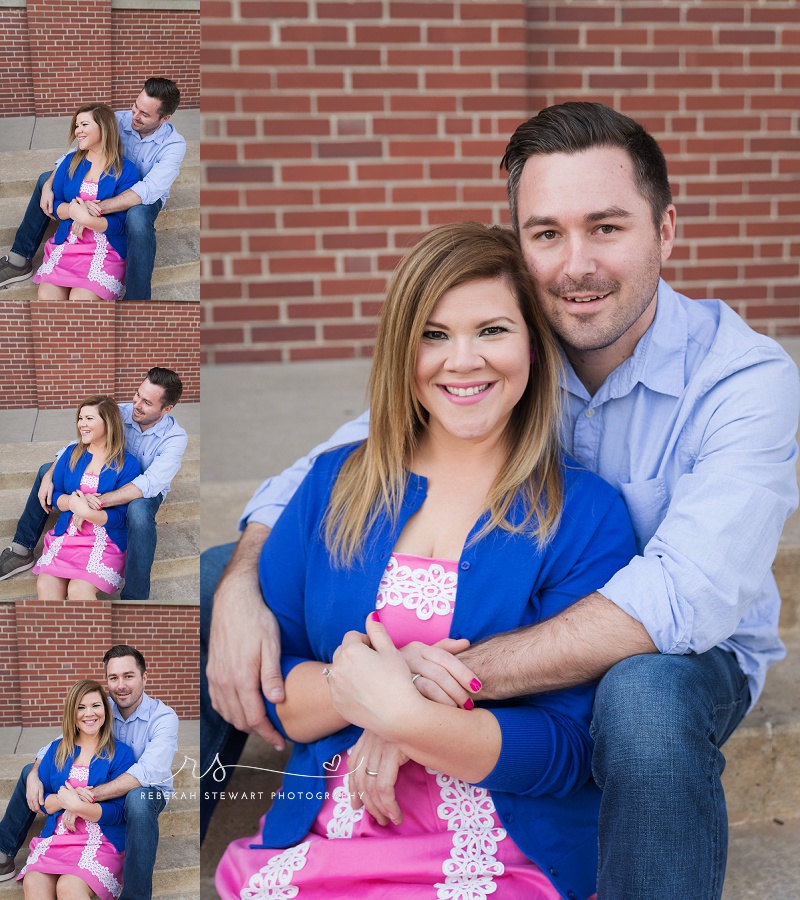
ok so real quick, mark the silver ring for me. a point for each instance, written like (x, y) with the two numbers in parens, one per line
(374, 774)
(327, 672)
(415, 677)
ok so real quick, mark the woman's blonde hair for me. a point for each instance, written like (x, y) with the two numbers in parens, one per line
(109, 412)
(69, 723)
(111, 142)
(373, 479)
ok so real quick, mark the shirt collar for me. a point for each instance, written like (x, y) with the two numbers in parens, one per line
(658, 361)
(162, 427)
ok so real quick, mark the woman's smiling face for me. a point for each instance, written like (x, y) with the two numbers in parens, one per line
(87, 132)
(474, 361)
(91, 714)
(91, 426)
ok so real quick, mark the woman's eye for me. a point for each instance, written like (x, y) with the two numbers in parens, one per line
(494, 329)
(434, 335)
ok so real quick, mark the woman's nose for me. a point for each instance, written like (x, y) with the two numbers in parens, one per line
(465, 356)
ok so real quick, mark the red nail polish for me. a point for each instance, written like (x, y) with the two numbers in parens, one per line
(469, 704)
(375, 616)
(475, 685)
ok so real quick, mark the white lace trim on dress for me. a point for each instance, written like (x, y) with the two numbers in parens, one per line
(55, 257)
(344, 816)
(92, 482)
(95, 562)
(88, 860)
(274, 880)
(427, 590)
(96, 272)
(471, 869)
(89, 188)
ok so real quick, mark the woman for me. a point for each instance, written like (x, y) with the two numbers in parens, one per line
(85, 258)
(459, 515)
(82, 845)
(85, 551)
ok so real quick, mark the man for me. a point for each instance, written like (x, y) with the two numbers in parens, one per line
(692, 416)
(157, 441)
(157, 150)
(150, 728)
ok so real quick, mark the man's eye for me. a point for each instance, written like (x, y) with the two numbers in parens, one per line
(607, 229)
(546, 235)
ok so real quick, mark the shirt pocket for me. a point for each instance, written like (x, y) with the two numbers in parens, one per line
(647, 503)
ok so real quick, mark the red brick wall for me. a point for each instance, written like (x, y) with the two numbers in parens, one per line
(336, 133)
(17, 369)
(16, 75)
(168, 638)
(64, 65)
(52, 355)
(155, 42)
(45, 70)
(10, 713)
(43, 650)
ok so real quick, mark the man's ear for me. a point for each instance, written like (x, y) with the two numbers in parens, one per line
(667, 232)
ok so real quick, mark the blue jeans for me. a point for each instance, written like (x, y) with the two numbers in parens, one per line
(142, 808)
(34, 223)
(218, 738)
(141, 517)
(18, 818)
(142, 538)
(140, 226)
(658, 724)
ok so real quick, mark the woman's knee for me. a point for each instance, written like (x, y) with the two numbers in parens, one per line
(70, 887)
(52, 292)
(83, 295)
(79, 591)
(50, 588)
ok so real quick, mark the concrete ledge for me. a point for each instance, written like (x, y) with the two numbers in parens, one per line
(156, 4)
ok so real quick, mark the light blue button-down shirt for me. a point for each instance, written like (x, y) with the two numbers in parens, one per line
(151, 731)
(157, 157)
(158, 450)
(697, 431)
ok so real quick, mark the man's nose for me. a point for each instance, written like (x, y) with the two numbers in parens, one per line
(579, 259)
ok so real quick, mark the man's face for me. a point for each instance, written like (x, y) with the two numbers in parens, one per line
(146, 114)
(590, 244)
(125, 682)
(147, 408)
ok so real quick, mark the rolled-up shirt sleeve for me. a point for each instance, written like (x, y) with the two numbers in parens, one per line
(159, 179)
(154, 766)
(708, 559)
(271, 498)
(158, 475)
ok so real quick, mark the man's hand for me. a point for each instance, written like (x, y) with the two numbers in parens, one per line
(373, 754)
(244, 645)
(46, 491)
(34, 791)
(46, 203)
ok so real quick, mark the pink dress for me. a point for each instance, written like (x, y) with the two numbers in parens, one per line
(85, 852)
(86, 553)
(90, 262)
(450, 845)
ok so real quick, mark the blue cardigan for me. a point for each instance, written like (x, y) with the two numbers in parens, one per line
(101, 771)
(66, 188)
(541, 785)
(67, 480)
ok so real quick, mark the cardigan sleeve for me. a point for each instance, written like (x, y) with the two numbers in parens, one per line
(117, 515)
(113, 811)
(60, 185)
(126, 180)
(546, 746)
(59, 475)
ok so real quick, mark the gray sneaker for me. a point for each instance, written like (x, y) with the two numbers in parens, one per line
(10, 564)
(9, 273)
(7, 869)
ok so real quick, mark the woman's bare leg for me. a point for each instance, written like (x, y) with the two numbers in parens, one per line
(70, 887)
(48, 587)
(53, 292)
(81, 591)
(39, 886)
(82, 294)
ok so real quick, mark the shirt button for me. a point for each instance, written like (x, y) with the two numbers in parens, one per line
(589, 413)
(464, 566)
(508, 818)
(572, 895)
(554, 873)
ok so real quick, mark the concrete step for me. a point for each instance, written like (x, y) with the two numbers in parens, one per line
(177, 260)
(763, 861)
(19, 462)
(762, 774)
(177, 556)
(176, 874)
